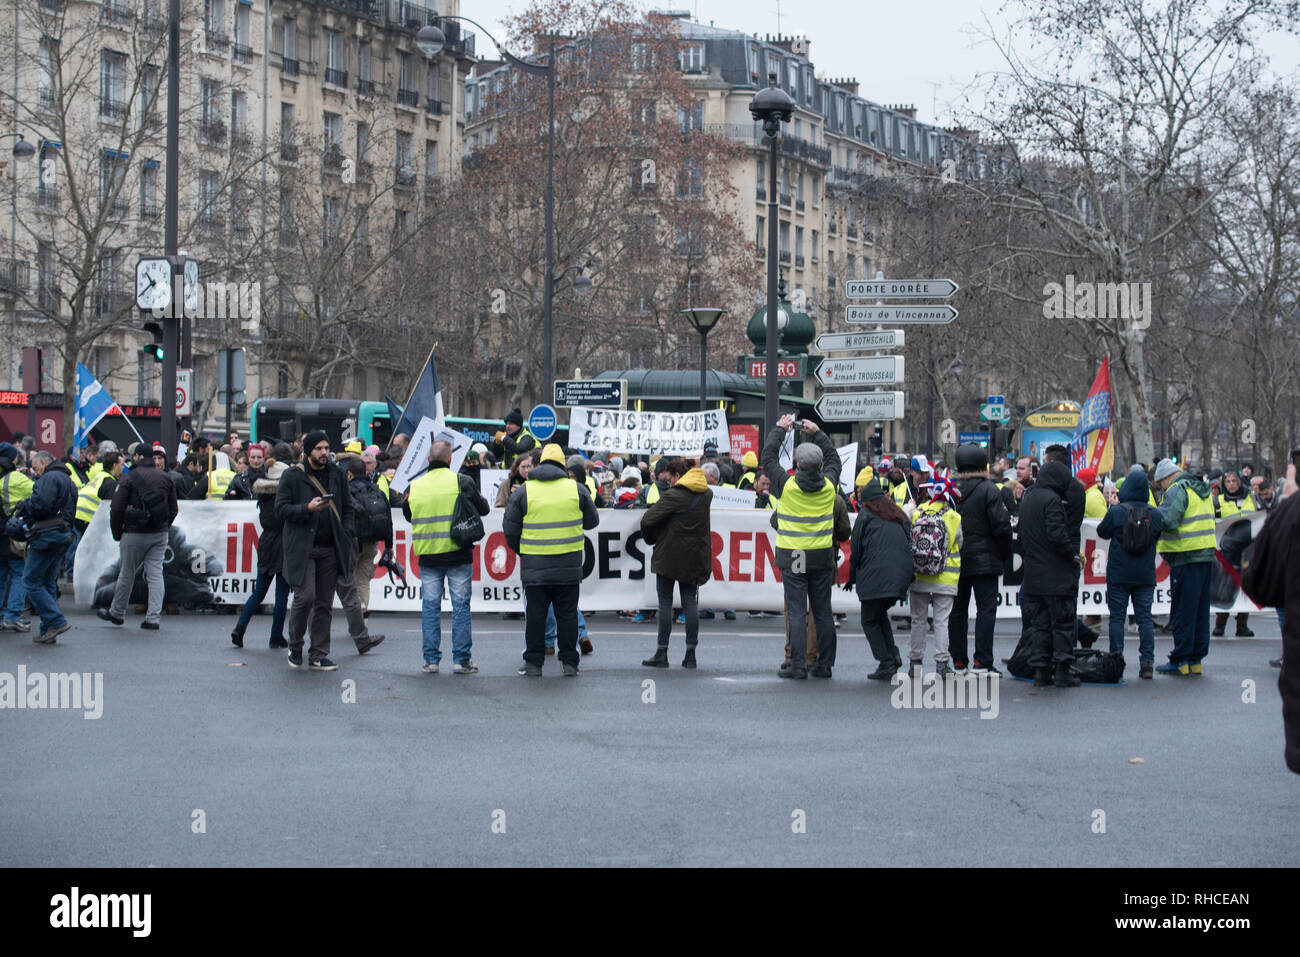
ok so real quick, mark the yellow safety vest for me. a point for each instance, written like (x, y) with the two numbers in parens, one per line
(519, 437)
(553, 521)
(1228, 508)
(432, 498)
(805, 521)
(952, 521)
(88, 497)
(382, 483)
(592, 488)
(901, 494)
(218, 482)
(746, 480)
(77, 480)
(652, 493)
(1196, 531)
(1094, 503)
(15, 489)
(1151, 496)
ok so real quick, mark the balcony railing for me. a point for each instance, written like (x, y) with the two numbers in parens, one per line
(47, 198)
(241, 140)
(242, 231)
(803, 149)
(761, 193)
(14, 274)
(212, 131)
(366, 87)
(416, 15)
(114, 11)
(110, 302)
(336, 77)
(288, 66)
(46, 102)
(288, 153)
(436, 107)
(212, 224)
(786, 199)
(798, 205)
(333, 157)
(215, 41)
(154, 23)
(752, 135)
(408, 98)
(785, 256)
(111, 109)
(48, 295)
(150, 211)
(242, 53)
(760, 251)
(798, 262)
(853, 231)
(404, 177)
(117, 209)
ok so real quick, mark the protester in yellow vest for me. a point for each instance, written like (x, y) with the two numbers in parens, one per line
(1233, 499)
(100, 485)
(932, 595)
(748, 462)
(1187, 544)
(544, 523)
(805, 549)
(430, 503)
(15, 488)
(1094, 502)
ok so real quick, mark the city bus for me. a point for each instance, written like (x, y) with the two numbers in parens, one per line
(274, 420)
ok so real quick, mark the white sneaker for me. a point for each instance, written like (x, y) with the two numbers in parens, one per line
(468, 668)
(429, 669)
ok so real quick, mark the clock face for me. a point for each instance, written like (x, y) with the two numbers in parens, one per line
(191, 285)
(153, 284)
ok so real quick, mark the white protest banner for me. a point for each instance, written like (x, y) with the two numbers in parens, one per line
(786, 455)
(212, 559)
(848, 466)
(724, 497)
(489, 481)
(416, 457)
(650, 433)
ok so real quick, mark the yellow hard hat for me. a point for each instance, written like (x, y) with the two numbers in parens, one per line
(553, 453)
(354, 446)
(749, 460)
(865, 476)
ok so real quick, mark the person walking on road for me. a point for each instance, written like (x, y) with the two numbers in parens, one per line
(544, 523)
(15, 488)
(880, 569)
(140, 518)
(270, 556)
(805, 546)
(48, 514)
(314, 504)
(677, 525)
(430, 504)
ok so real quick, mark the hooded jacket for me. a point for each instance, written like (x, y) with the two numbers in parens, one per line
(985, 521)
(1048, 541)
(1123, 568)
(564, 569)
(1173, 505)
(53, 496)
(269, 553)
(880, 557)
(679, 524)
(810, 481)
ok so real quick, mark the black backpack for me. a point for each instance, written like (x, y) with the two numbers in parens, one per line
(373, 514)
(152, 509)
(1138, 534)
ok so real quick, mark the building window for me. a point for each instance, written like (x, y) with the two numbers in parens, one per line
(691, 117)
(405, 162)
(45, 76)
(335, 63)
(241, 26)
(760, 231)
(210, 112)
(363, 144)
(112, 83)
(755, 60)
(690, 181)
(815, 244)
(238, 114)
(365, 84)
(149, 209)
(209, 187)
(112, 168)
(798, 242)
(329, 220)
(214, 21)
(333, 143)
(291, 40)
(642, 58)
(430, 159)
(691, 57)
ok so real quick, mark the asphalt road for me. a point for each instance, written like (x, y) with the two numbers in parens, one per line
(581, 771)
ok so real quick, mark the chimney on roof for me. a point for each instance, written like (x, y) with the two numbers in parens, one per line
(849, 84)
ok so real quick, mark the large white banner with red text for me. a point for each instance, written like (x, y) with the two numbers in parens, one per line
(212, 559)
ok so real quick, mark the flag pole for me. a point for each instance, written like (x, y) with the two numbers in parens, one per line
(411, 395)
(130, 423)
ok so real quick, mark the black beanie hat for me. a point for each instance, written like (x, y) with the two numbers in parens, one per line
(516, 417)
(871, 490)
(313, 439)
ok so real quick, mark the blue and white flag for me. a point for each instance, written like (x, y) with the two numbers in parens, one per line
(425, 401)
(93, 403)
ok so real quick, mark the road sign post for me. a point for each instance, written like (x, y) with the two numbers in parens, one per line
(870, 406)
(542, 422)
(590, 393)
(899, 288)
(930, 315)
(849, 341)
(865, 370)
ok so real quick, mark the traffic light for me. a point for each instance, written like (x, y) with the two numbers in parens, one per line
(878, 443)
(154, 349)
(1002, 438)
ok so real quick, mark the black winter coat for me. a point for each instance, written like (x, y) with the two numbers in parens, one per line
(53, 496)
(127, 501)
(985, 525)
(300, 525)
(565, 569)
(880, 558)
(1049, 546)
(270, 554)
(679, 524)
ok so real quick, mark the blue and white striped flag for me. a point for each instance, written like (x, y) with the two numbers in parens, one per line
(93, 403)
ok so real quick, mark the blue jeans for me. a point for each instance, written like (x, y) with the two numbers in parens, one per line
(459, 579)
(11, 578)
(1190, 612)
(278, 610)
(71, 557)
(551, 629)
(44, 560)
(1117, 598)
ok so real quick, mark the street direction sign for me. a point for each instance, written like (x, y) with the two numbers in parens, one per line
(899, 288)
(868, 406)
(864, 370)
(997, 400)
(994, 413)
(972, 438)
(934, 315)
(846, 341)
(542, 421)
(590, 393)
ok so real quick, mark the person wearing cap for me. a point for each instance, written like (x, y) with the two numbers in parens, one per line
(805, 545)
(865, 475)
(1187, 544)
(629, 488)
(678, 528)
(1094, 502)
(544, 522)
(430, 504)
(651, 492)
(140, 518)
(317, 545)
(514, 440)
(932, 596)
(986, 544)
(1049, 542)
(749, 466)
(270, 560)
(15, 489)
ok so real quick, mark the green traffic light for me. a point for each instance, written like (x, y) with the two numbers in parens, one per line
(155, 351)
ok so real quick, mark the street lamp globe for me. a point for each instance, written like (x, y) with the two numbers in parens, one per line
(23, 149)
(703, 318)
(582, 285)
(772, 106)
(430, 40)
(958, 367)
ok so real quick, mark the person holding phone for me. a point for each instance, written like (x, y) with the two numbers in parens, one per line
(316, 508)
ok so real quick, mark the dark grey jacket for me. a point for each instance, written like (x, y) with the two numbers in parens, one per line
(291, 500)
(1049, 544)
(880, 559)
(563, 569)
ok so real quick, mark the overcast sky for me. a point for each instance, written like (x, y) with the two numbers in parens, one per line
(922, 52)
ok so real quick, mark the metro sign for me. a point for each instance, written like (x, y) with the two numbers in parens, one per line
(785, 369)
